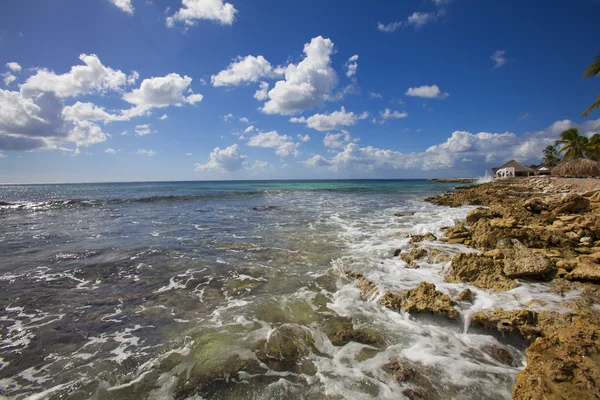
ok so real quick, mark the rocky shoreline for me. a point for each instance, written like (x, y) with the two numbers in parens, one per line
(537, 230)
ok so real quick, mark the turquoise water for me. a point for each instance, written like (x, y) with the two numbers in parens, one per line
(172, 290)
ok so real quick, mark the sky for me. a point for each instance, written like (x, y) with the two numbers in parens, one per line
(155, 90)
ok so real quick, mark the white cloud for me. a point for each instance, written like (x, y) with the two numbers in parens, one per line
(2, 155)
(245, 69)
(124, 5)
(143, 130)
(110, 151)
(337, 140)
(8, 78)
(416, 19)
(330, 122)
(317, 161)
(93, 77)
(428, 92)
(13, 66)
(283, 144)
(188, 154)
(389, 114)
(373, 95)
(160, 92)
(262, 93)
(144, 152)
(88, 111)
(524, 116)
(227, 117)
(124, 133)
(304, 138)
(244, 120)
(352, 66)
(249, 129)
(228, 159)
(498, 58)
(86, 133)
(307, 84)
(193, 10)
(163, 117)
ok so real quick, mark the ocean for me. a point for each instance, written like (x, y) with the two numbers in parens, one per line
(166, 290)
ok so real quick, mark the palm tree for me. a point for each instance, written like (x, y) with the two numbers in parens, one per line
(591, 71)
(593, 150)
(550, 156)
(572, 145)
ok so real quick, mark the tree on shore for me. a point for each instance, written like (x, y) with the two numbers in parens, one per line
(591, 71)
(594, 147)
(551, 158)
(572, 144)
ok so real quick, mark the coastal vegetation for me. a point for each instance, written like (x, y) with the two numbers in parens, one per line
(592, 71)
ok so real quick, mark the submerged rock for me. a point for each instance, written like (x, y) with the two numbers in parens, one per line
(466, 295)
(340, 331)
(521, 261)
(422, 299)
(412, 256)
(501, 355)
(479, 271)
(289, 343)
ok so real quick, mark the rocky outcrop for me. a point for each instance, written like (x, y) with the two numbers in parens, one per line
(587, 268)
(523, 322)
(480, 271)
(341, 331)
(428, 237)
(289, 343)
(423, 299)
(520, 261)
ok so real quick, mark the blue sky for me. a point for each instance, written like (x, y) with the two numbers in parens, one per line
(121, 90)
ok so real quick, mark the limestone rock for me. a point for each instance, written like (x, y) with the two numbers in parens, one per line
(501, 355)
(571, 203)
(516, 321)
(428, 237)
(521, 261)
(587, 269)
(535, 205)
(480, 271)
(411, 257)
(466, 295)
(341, 331)
(289, 342)
(422, 299)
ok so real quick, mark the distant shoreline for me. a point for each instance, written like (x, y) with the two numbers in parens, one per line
(456, 180)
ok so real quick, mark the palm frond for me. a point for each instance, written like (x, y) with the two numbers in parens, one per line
(593, 106)
(593, 69)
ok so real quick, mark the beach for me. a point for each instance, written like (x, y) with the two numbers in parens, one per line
(297, 289)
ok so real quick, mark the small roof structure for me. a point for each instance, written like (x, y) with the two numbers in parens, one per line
(578, 167)
(518, 167)
(544, 169)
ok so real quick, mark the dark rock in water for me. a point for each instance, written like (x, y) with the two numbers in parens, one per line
(413, 394)
(407, 214)
(402, 370)
(289, 343)
(340, 331)
(411, 257)
(397, 252)
(466, 295)
(265, 208)
(407, 372)
(429, 237)
(501, 355)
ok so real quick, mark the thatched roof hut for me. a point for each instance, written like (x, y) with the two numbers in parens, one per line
(578, 167)
(519, 169)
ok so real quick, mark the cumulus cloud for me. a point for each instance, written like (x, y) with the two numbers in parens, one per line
(317, 161)
(245, 69)
(143, 130)
(194, 10)
(499, 58)
(262, 93)
(306, 84)
(163, 117)
(93, 77)
(89, 111)
(283, 144)
(389, 114)
(123, 5)
(110, 151)
(144, 152)
(416, 19)
(160, 92)
(330, 122)
(226, 160)
(13, 66)
(304, 138)
(352, 66)
(8, 78)
(428, 92)
(337, 140)
(373, 95)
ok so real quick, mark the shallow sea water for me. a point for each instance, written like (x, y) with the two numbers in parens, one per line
(151, 290)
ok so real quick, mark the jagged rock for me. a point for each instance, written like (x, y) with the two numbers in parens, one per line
(466, 295)
(366, 287)
(475, 215)
(571, 203)
(521, 261)
(289, 342)
(495, 254)
(428, 237)
(480, 271)
(535, 205)
(569, 265)
(437, 256)
(422, 299)
(340, 331)
(564, 363)
(516, 321)
(587, 269)
(502, 222)
(456, 241)
(402, 370)
(412, 256)
(397, 252)
(501, 355)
